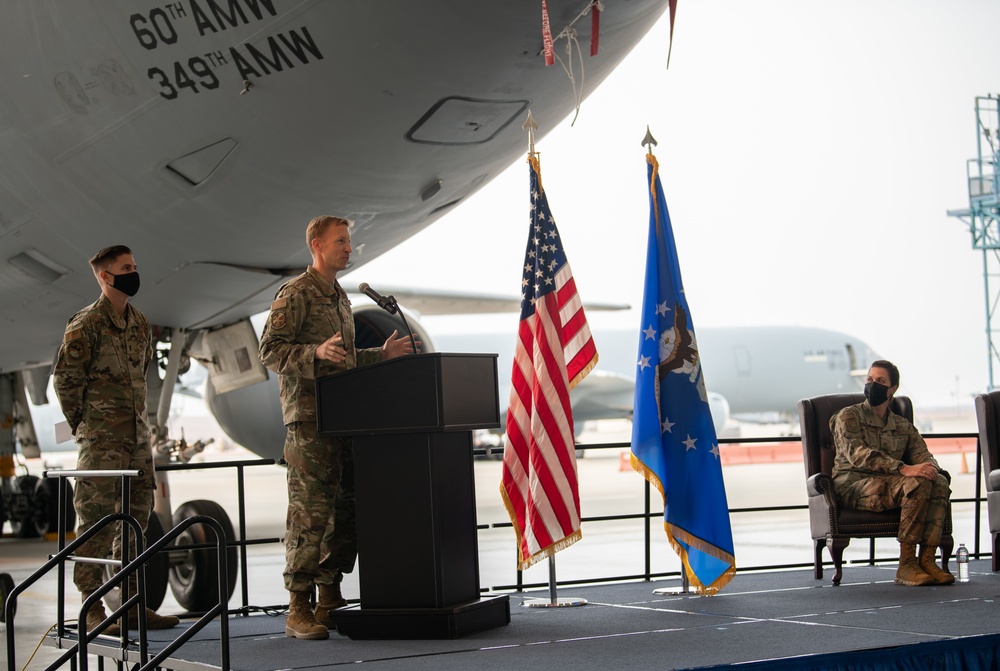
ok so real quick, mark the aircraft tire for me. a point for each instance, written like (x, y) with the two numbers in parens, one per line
(157, 570)
(35, 522)
(52, 484)
(194, 579)
(6, 587)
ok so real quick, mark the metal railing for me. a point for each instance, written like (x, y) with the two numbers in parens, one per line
(241, 543)
(650, 514)
(77, 654)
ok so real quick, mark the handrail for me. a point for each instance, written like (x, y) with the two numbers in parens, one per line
(85, 637)
(127, 567)
(126, 475)
(57, 560)
(221, 608)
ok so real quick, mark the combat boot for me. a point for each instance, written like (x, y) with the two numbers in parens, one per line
(96, 615)
(930, 567)
(301, 623)
(153, 620)
(329, 599)
(909, 572)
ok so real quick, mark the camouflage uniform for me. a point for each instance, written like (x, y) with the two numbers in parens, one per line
(319, 536)
(100, 379)
(866, 472)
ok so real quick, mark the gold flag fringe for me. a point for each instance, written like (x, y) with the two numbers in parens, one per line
(674, 533)
(536, 165)
(524, 563)
(583, 373)
(652, 187)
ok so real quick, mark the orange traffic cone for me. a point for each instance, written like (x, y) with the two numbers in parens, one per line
(965, 466)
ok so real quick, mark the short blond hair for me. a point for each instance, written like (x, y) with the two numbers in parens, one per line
(317, 227)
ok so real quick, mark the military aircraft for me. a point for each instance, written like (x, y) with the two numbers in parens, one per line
(205, 133)
(754, 373)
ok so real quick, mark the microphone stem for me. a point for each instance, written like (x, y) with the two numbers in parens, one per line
(403, 317)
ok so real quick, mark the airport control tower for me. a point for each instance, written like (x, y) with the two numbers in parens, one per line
(983, 214)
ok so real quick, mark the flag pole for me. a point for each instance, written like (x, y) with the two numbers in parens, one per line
(531, 127)
(649, 142)
(554, 601)
(668, 406)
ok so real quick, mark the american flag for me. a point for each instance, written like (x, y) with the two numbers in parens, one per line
(554, 351)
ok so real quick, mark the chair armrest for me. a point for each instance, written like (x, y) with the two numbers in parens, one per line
(820, 484)
(993, 479)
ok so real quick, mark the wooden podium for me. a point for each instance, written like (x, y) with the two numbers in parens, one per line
(411, 420)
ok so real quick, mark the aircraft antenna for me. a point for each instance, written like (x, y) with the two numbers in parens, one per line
(649, 141)
(531, 127)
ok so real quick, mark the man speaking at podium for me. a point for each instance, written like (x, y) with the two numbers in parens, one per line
(310, 333)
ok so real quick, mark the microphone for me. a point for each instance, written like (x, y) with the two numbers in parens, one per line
(387, 303)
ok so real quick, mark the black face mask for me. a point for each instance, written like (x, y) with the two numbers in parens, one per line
(127, 283)
(876, 393)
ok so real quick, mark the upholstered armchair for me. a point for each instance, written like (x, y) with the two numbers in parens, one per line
(830, 523)
(988, 416)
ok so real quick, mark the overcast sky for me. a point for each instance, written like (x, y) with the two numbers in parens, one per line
(809, 151)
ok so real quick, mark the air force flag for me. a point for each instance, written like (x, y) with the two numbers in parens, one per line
(674, 444)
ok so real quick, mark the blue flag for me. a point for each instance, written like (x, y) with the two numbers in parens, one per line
(673, 438)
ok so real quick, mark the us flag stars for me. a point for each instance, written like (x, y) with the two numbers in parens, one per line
(545, 256)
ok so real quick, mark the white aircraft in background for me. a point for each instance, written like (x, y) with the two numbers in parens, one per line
(752, 373)
(756, 373)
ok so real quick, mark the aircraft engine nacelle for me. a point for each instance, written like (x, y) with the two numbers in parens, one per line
(251, 416)
(719, 406)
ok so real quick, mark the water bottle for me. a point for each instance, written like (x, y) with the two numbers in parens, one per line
(962, 557)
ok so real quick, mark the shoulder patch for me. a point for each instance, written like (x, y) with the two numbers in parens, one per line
(75, 351)
(74, 334)
(278, 320)
(279, 303)
(851, 423)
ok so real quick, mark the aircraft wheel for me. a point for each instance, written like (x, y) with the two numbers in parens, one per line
(52, 485)
(6, 587)
(157, 570)
(194, 574)
(33, 520)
